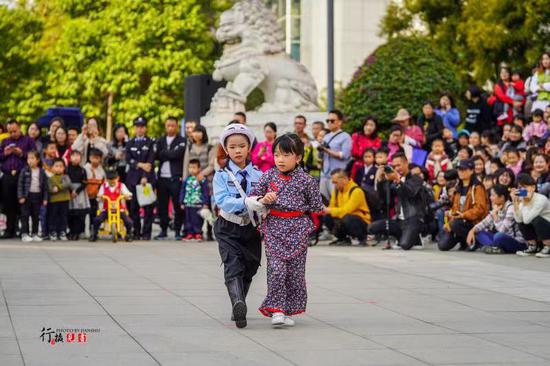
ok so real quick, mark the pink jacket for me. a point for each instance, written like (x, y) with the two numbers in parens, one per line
(264, 161)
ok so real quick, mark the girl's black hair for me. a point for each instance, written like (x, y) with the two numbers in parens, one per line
(115, 129)
(501, 190)
(271, 125)
(375, 120)
(202, 129)
(289, 143)
(369, 150)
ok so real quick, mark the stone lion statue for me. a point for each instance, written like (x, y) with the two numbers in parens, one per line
(254, 57)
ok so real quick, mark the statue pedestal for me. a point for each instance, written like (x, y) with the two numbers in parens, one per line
(255, 121)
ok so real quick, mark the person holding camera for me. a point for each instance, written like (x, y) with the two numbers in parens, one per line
(348, 213)
(532, 213)
(407, 225)
(468, 207)
(90, 138)
(335, 150)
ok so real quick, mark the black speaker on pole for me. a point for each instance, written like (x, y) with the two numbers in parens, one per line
(199, 90)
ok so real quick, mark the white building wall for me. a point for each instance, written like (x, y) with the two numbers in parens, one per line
(356, 27)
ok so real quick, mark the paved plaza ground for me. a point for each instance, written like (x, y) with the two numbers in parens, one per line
(164, 303)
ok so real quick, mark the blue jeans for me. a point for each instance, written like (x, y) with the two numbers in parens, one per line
(505, 242)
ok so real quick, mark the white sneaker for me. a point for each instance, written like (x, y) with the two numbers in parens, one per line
(25, 238)
(278, 319)
(53, 237)
(37, 238)
(289, 322)
(544, 253)
(63, 237)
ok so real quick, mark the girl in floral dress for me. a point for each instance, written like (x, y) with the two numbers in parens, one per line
(292, 197)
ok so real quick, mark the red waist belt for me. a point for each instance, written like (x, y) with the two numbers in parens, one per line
(289, 214)
(286, 214)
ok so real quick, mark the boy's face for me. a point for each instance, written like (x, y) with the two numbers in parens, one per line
(463, 140)
(113, 181)
(447, 134)
(194, 169)
(441, 179)
(381, 158)
(463, 154)
(437, 147)
(321, 136)
(51, 151)
(515, 135)
(71, 136)
(95, 160)
(58, 168)
(368, 158)
(488, 183)
(315, 129)
(75, 159)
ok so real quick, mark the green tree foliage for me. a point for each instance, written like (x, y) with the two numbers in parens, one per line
(86, 50)
(20, 66)
(477, 34)
(400, 74)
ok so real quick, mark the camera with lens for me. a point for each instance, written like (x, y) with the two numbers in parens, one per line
(444, 202)
(323, 146)
(388, 169)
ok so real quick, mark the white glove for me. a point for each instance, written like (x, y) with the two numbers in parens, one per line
(253, 204)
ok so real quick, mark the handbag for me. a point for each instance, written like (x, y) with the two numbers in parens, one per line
(145, 194)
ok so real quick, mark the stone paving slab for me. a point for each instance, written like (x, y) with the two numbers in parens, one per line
(164, 303)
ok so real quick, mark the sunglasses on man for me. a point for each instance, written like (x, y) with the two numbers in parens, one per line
(331, 121)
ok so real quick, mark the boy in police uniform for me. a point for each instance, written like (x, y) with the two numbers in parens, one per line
(140, 157)
(239, 240)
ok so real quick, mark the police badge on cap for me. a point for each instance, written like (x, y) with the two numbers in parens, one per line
(140, 121)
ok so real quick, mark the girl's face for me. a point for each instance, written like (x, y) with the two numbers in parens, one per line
(53, 127)
(497, 200)
(368, 159)
(427, 110)
(512, 158)
(269, 134)
(475, 139)
(447, 134)
(395, 137)
(494, 168)
(286, 161)
(505, 179)
(238, 148)
(488, 184)
(545, 61)
(197, 137)
(369, 128)
(75, 159)
(540, 165)
(463, 154)
(547, 146)
(60, 136)
(484, 141)
(440, 180)
(479, 166)
(32, 161)
(504, 75)
(33, 131)
(444, 101)
(120, 134)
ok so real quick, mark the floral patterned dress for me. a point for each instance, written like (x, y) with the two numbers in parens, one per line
(286, 230)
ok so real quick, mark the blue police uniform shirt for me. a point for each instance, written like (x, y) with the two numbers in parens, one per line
(226, 195)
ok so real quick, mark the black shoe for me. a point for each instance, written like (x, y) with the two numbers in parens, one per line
(129, 237)
(362, 243)
(7, 236)
(93, 237)
(235, 288)
(344, 242)
(161, 236)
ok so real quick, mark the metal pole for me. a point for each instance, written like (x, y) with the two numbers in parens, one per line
(288, 26)
(330, 54)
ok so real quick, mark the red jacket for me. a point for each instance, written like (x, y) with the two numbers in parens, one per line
(359, 143)
(500, 94)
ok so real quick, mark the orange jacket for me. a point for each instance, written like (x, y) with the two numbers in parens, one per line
(476, 206)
